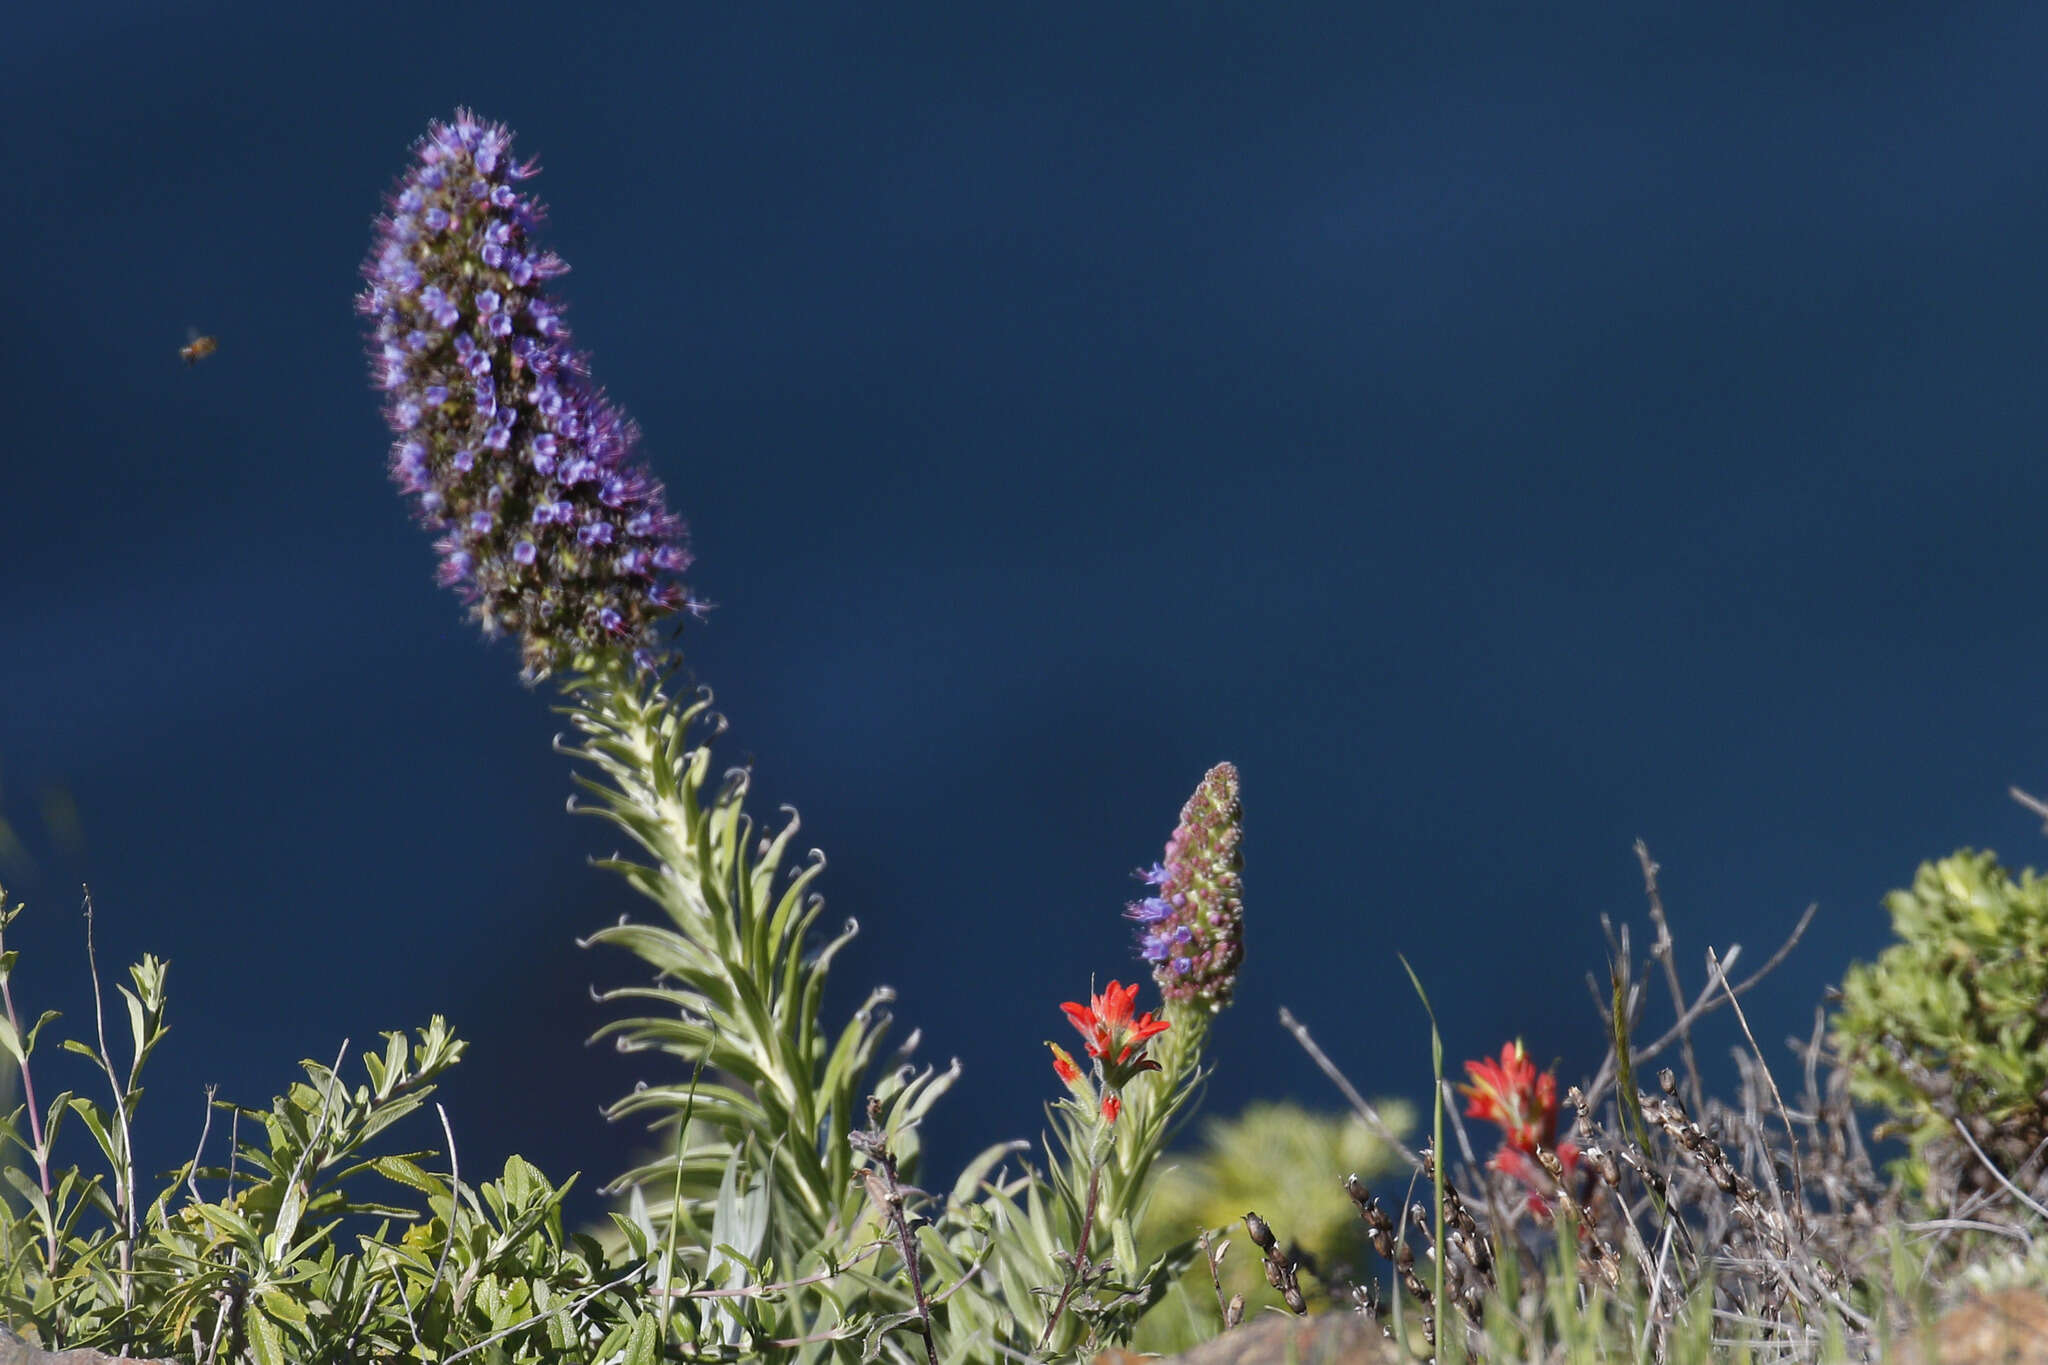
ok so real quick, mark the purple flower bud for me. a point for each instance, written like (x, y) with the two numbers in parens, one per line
(480, 523)
(463, 459)
(436, 219)
(611, 620)
(436, 395)
(523, 552)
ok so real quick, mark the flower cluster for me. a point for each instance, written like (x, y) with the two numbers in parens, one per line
(1192, 926)
(548, 526)
(1116, 1037)
(1513, 1094)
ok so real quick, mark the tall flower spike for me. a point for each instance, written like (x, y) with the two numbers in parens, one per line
(548, 526)
(1192, 930)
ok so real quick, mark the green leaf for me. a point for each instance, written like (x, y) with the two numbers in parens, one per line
(266, 1339)
(280, 1305)
(89, 1114)
(643, 1347)
(887, 1323)
(410, 1173)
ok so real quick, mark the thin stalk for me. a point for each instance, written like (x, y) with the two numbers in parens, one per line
(1436, 1152)
(125, 1177)
(675, 1207)
(35, 1115)
(1080, 1255)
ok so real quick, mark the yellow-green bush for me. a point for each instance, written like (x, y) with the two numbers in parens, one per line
(1952, 1021)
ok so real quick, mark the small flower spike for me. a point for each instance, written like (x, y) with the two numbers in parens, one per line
(549, 527)
(1192, 929)
(1115, 1038)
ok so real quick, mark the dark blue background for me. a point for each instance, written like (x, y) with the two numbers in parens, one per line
(1502, 432)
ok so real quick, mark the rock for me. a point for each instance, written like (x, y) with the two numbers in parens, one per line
(2009, 1327)
(16, 1350)
(1327, 1339)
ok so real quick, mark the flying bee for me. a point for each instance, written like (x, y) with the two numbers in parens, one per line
(197, 349)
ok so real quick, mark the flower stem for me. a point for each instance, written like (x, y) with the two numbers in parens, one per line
(887, 1194)
(1080, 1267)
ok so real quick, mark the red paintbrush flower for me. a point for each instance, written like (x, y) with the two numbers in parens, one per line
(1114, 1036)
(1523, 1101)
(1512, 1094)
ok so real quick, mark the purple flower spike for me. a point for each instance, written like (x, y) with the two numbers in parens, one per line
(473, 359)
(1193, 929)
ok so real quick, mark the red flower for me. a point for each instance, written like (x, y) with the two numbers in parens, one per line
(1063, 1064)
(1111, 1107)
(1512, 1094)
(1112, 1034)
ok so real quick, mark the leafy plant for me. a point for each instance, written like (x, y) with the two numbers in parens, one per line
(293, 1256)
(1947, 1030)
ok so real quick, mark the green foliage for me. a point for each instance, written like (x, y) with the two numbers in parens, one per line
(287, 1253)
(1281, 1160)
(778, 1223)
(772, 1158)
(1953, 1018)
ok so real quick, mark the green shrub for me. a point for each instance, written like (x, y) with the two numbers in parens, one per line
(1951, 1022)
